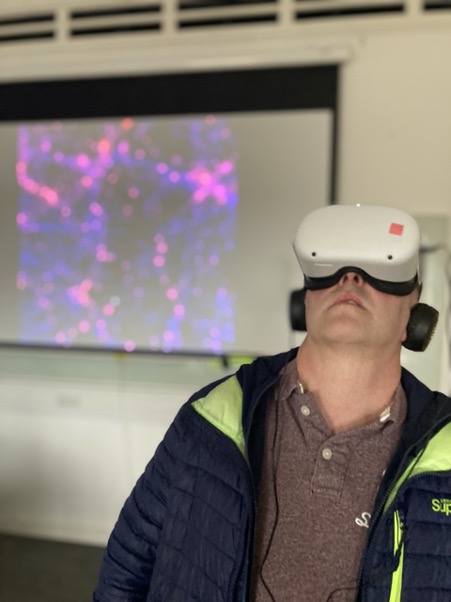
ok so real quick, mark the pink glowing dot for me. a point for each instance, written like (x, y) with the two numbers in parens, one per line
(100, 324)
(174, 176)
(123, 147)
(109, 309)
(21, 167)
(214, 260)
(66, 211)
(205, 178)
(127, 123)
(162, 168)
(60, 337)
(58, 157)
(222, 292)
(133, 192)
(83, 161)
(179, 310)
(140, 153)
(30, 185)
(220, 191)
(172, 294)
(216, 345)
(162, 247)
(127, 210)
(102, 254)
(168, 336)
(49, 195)
(86, 182)
(45, 146)
(21, 283)
(84, 326)
(158, 261)
(210, 119)
(21, 219)
(96, 209)
(129, 346)
(104, 146)
(215, 332)
(226, 167)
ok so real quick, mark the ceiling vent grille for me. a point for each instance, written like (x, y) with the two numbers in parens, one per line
(24, 28)
(437, 5)
(107, 21)
(217, 13)
(71, 37)
(328, 9)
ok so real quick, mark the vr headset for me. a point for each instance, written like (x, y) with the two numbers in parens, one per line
(380, 243)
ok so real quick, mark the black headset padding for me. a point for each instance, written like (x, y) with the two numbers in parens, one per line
(297, 310)
(421, 326)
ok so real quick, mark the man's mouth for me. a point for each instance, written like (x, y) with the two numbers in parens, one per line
(349, 299)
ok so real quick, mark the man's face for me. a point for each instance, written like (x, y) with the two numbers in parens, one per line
(353, 312)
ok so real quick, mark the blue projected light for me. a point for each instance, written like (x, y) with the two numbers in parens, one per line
(123, 229)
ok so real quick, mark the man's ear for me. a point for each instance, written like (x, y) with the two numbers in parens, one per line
(421, 326)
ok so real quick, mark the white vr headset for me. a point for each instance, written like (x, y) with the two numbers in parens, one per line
(380, 243)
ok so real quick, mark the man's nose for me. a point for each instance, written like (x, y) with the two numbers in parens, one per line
(351, 278)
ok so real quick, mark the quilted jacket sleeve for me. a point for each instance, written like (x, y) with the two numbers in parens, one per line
(129, 559)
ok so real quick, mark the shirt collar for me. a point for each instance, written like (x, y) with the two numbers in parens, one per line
(289, 382)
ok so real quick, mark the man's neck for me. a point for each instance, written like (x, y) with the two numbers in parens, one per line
(352, 386)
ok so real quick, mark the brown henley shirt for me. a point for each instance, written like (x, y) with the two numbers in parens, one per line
(311, 524)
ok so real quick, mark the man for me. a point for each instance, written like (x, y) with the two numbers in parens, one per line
(318, 475)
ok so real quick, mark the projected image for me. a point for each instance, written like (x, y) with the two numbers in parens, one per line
(125, 229)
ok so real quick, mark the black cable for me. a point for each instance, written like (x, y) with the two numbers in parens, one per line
(276, 499)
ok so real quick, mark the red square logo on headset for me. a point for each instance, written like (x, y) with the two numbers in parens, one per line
(396, 229)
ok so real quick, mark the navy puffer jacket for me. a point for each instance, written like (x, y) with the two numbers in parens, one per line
(185, 532)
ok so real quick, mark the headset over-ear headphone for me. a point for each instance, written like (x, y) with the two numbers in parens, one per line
(420, 328)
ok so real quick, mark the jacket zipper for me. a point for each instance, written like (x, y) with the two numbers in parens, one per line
(382, 503)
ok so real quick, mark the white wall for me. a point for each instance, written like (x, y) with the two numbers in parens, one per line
(395, 132)
(75, 437)
(395, 149)
(77, 430)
